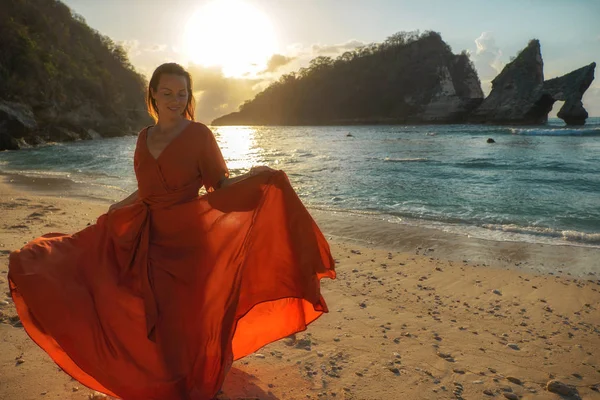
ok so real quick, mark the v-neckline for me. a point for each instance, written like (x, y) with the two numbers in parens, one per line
(167, 145)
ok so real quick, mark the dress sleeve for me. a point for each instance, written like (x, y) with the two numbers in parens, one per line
(212, 165)
(138, 149)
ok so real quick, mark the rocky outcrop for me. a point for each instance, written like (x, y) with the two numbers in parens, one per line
(515, 90)
(520, 95)
(21, 128)
(16, 122)
(455, 98)
(570, 89)
(416, 81)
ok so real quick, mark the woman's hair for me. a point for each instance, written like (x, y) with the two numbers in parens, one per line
(175, 69)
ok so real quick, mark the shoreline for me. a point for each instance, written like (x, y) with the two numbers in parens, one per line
(406, 323)
(576, 259)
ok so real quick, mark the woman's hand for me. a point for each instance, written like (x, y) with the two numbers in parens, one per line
(259, 169)
(114, 206)
(253, 171)
(132, 198)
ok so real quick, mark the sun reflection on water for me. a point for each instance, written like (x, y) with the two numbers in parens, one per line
(239, 147)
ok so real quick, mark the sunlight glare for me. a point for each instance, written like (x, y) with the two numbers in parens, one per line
(239, 148)
(231, 34)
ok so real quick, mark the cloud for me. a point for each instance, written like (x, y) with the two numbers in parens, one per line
(300, 50)
(157, 47)
(217, 95)
(276, 61)
(147, 56)
(132, 47)
(591, 101)
(319, 49)
(487, 59)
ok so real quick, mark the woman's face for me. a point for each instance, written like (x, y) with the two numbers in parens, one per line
(171, 96)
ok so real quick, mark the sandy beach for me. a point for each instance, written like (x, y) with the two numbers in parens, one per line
(413, 315)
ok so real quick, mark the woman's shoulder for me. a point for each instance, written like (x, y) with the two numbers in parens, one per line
(200, 132)
(200, 128)
(144, 130)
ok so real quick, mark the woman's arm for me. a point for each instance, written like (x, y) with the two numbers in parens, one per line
(132, 198)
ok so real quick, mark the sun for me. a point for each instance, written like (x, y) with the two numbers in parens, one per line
(231, 34)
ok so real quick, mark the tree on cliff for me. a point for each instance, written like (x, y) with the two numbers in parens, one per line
(392, 81)
(53, 62)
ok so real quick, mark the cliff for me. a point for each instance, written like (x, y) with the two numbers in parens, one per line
(61, 80)
(409, 78)
(569, 88)
(521, 96)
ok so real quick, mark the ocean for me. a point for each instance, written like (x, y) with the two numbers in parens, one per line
(534, 184)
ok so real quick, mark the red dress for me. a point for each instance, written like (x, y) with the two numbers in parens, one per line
(158, 298)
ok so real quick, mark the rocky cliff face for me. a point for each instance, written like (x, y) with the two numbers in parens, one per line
(21, 128)
(521, 96)
(570, 89)
(456, 95)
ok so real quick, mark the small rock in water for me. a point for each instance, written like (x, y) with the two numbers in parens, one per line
(490, 140)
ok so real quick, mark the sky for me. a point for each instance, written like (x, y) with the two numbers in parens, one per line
(235, 48)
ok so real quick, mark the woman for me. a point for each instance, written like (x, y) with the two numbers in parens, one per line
(158, 298)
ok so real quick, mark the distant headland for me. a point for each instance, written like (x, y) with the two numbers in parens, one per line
(415, 79)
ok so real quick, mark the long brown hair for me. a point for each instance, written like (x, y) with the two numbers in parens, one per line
(175, 69)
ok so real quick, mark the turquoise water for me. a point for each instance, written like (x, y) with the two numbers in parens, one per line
(539, 184)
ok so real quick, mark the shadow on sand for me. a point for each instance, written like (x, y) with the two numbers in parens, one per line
(240, 385)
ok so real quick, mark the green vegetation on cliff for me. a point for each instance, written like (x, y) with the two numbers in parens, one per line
(393, 81)
(70, 76)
